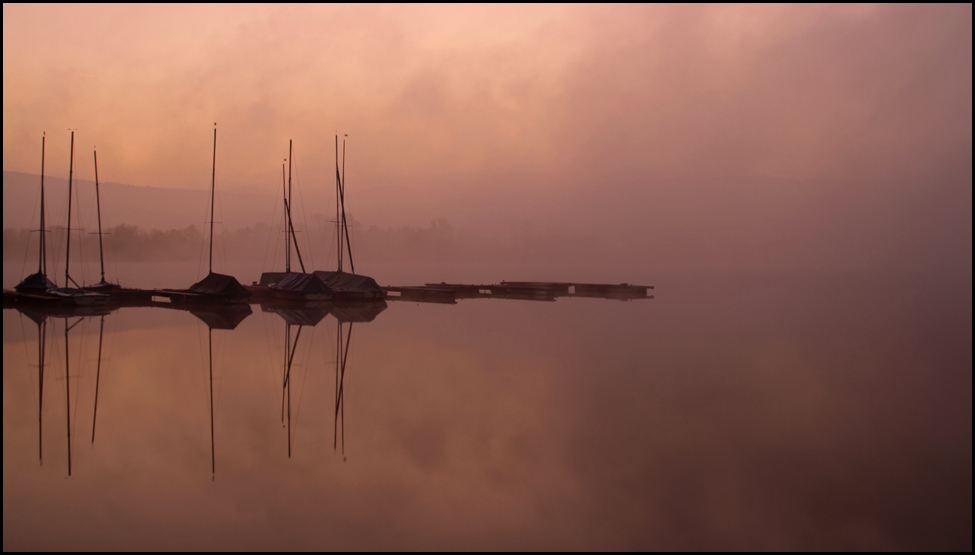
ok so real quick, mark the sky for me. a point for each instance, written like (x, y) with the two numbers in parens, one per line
(705, 122)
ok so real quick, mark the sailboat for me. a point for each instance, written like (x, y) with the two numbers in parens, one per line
(347, 286)
(214, 288)
(38, 281)
(101, 285)
(75, 296)
(289, 285)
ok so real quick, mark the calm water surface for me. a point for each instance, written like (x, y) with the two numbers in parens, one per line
(730, 412)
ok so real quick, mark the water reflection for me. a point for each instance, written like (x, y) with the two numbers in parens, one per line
(40, 316)
(811, 415)
(299, 315)
(214, 316)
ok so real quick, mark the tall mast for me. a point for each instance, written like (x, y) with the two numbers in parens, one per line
(98, 203)
(345, 225)
(213, 185)
(287, 238)
(338, 219)
(288, 206)
(67, 255)
(42, 255)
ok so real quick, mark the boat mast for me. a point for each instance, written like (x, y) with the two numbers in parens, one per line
(67, 255)
(288, 206)
(98, 204)
(42, 255)
(287, 237)
(345, 223)
(340, 202)
(213, 185)
(338, 219)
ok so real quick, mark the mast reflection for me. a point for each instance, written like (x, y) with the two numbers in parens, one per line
(216, 316)
(294, 314)
(349, 313)
(304, 314)
(40, 315)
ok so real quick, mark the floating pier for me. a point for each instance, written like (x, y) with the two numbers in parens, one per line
(450, 293)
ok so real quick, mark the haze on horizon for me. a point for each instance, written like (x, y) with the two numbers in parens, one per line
(798, 136)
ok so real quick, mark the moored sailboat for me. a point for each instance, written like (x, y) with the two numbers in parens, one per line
(289, 285)
(38, 282)
(101, 285)
(347, 286)
(214, 288)
(76, 295)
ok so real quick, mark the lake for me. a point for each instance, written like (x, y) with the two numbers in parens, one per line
(735, 410)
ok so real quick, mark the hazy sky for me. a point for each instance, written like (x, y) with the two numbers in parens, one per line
(727, 113)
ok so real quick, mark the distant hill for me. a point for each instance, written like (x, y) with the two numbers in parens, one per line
(146, 207)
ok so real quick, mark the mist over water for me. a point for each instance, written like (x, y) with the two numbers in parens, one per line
(796, 181)
(732, 411)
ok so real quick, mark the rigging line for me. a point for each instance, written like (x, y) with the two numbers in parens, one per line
(91, 216)
(111, 245)
(37, 201)
(284, 368)
(295, 237)
(56, 364)
(206, 229)
(23, 268)
(270, 360)
(82, 351)
(199, 337)
(345, 221)
(304, 218)
(220, 356)
(340, 400)
(304, 378)
(23, 333)
(82, 245)
(203, 246)
(270, 234)
(57, 239)
(287, 376)
(223, 238)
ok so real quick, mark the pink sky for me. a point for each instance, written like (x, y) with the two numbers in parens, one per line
(730, 114)
(784, 91)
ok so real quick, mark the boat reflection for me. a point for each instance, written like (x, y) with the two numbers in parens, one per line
(40, 316)
(304, 314)
(227, 317)
(217, 316)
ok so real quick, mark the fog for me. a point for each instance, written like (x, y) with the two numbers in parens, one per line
(796, 181)
(800, 138)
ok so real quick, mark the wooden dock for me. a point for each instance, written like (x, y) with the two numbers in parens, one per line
(438, 293)
(450, 293)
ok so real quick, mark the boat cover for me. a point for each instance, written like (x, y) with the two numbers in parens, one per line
(267, 278)
(35, 283)
(343, 283)
(298, 283)
(220, 285)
